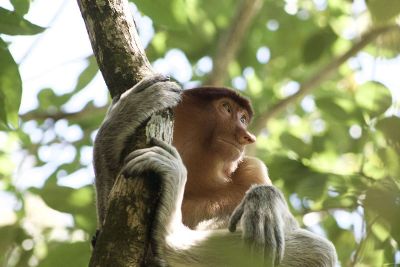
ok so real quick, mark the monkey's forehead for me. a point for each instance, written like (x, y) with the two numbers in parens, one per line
(211, 93)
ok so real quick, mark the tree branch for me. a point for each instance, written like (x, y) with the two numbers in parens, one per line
(82, 114)
(315, 80)
(231, 41)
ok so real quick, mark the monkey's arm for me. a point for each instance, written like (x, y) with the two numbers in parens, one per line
(125, 115)
(270, 229)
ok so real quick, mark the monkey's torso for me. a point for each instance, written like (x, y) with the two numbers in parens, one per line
(215, 205)
(218, 204)
(198, 209)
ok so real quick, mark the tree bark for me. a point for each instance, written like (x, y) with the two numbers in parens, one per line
(124, 239)
(115, 42)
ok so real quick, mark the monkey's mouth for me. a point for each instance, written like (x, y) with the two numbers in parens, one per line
(239, 148)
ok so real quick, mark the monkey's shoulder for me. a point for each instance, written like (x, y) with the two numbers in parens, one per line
(251, 170)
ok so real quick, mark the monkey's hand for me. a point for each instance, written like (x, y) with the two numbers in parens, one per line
(124, 117)
(164, 160)
(152, 94)
(262, 214)
(126, 114)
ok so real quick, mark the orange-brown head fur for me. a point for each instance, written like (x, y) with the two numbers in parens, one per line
(211, 93)
(210, 140)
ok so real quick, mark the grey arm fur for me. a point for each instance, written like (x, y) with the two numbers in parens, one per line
(124, 116)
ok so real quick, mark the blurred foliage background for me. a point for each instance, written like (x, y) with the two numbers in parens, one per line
(329, 135)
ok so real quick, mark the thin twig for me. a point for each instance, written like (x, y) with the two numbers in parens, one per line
(86, 112)
(230, 42)
(361, 245)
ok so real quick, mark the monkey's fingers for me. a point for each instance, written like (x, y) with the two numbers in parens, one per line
(253, 229)
(235, 217)
(149, 161)
(274, 236)
(279, 234)
(255, 238)
(154, 149)
(149, 81)
(269, 246)
(280, 245)
(171, 149)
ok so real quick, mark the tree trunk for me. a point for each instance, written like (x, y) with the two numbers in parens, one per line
(115, 43)
(124, 239)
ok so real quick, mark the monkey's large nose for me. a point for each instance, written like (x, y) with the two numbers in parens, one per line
(246, 138)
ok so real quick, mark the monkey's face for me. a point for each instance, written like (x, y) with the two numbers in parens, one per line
(211, 129)
(229, 134)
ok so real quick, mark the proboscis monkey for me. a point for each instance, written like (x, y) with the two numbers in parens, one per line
(208, 185)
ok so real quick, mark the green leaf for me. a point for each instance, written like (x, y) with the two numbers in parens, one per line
(66, 199)
(370, 255)
(384, 200)
(390, 127)
(50, 101)
(318, 44)
(87, 74)
(8, 237)
(296, 144)
(331, 108)
(170, 14)
(343, 202)
(337, 183)
(46, 98)
(374, 98)
(12, 23)
(390, 250)
(21, 6)
(345, 243)
(313, 186)
(67, 255)
(78, 202)
(10, 87)
(3, 112)
(390, 158)
(383, 10)
(289, 170)
(11, 235)
(380, 231)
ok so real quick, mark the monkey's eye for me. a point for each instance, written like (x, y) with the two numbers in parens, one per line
(243, 120)
(227, 107)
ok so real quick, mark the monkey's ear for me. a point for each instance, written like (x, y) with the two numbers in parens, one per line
(211, 93)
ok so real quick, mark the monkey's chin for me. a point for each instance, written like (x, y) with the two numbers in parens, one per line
(228, 150)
